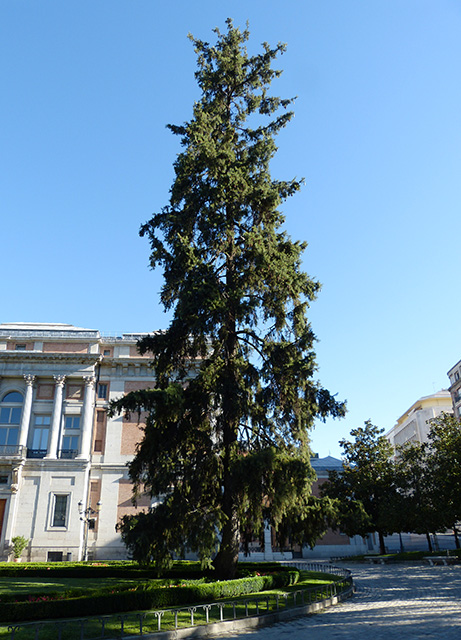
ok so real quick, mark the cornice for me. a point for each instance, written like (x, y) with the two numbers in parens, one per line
(55, 464)
(110, 361)
(39, 356)
(109, 466)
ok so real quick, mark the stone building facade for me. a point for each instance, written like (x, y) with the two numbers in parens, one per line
(60, 454)
(63, 462)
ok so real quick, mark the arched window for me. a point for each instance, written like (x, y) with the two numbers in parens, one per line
(10, 417)
(13, 396)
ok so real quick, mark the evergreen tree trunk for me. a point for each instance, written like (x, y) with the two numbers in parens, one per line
(226, 559)
(429, 543)
(455, 533)
(382, 546)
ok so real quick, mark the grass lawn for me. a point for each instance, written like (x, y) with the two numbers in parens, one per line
(33, 586)
(25, 585)
(129, 623)
(113, 626)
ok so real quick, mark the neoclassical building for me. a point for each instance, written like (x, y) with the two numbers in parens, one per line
(63, 476)
(61, 458)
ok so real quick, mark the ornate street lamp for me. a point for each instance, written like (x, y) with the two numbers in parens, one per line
(88, 517)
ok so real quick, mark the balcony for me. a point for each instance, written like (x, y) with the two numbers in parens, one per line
(63, 454)
(12, 450)
(36, 453)
(68, 454)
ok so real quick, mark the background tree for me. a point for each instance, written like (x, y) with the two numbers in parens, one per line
(365, 490)
(419, 510)
(445, 465)
(226, 438)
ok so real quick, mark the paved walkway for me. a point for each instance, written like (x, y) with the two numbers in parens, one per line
(403, 601)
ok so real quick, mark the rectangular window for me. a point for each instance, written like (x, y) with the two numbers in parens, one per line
(9, 436)
(72, 422)
(40, 435)
(10, 418)
(10, 415)
(40, 439)
(70, 443)
(54, 556)
(100, 431)
(20, 347)
(102, 391)
(60, 510)
(3, 479)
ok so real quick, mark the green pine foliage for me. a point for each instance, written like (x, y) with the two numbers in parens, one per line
(225, 447)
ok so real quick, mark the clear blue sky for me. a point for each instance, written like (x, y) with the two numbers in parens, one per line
(87, 88)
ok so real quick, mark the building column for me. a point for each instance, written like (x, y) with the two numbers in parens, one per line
(26, 411)
(56, 419)
(87, 417)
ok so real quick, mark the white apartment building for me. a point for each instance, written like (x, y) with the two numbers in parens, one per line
(413, 425)
(454, 375)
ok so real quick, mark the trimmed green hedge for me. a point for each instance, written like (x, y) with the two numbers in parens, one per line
(143, 597)
(126, 569)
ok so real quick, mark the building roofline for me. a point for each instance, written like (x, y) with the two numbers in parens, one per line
(46, 330)
(442, 394)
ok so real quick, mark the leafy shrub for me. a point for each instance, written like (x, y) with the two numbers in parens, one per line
(143, 597)
(19, 543)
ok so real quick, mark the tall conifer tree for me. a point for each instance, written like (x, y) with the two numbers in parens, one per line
(225, 443)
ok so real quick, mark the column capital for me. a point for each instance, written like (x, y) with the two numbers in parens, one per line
(60, 380)
(90, 381)
(30, 379)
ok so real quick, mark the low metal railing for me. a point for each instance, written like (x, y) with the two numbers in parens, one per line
(67, 454)
(149, 622)
(36, 453)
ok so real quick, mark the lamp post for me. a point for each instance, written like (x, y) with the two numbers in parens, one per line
(87, 516)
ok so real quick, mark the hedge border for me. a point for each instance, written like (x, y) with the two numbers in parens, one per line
(144, 598)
